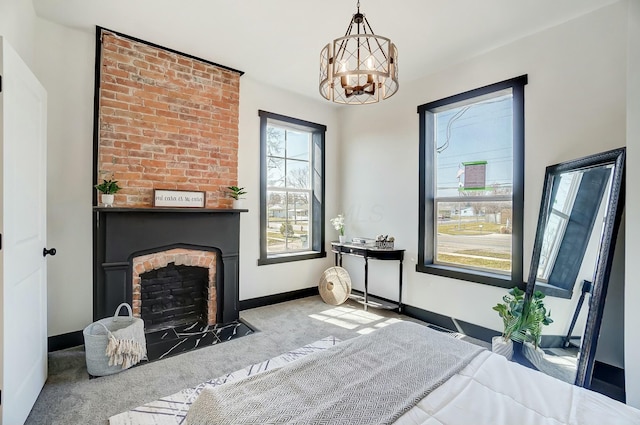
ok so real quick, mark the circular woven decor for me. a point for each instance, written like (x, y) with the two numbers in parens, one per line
(335, 285)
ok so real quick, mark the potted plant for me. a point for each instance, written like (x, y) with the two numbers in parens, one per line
(510, 311)
(338, 224)
(535, 316)
(236, 192)
(108, 188)
(523, 318)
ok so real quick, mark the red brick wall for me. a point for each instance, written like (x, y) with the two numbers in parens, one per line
(166, 122)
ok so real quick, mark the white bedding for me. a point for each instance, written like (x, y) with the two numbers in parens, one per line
(489, 390)
(492, 390)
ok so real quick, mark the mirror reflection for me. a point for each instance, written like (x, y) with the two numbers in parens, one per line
(579, 213)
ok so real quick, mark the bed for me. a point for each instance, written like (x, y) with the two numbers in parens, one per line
(405, 374)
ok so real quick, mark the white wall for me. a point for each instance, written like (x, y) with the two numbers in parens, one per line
(575, 106)
(17, 24)
(632, 287)
(65, 64)
(257, 281)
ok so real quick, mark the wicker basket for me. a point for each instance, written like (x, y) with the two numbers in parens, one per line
(96, 338)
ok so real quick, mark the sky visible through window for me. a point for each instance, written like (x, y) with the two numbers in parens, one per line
(477, 132)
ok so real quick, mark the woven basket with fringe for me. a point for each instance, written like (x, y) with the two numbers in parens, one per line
(96, 340)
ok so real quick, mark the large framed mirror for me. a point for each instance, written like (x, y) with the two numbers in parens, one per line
(580, 214)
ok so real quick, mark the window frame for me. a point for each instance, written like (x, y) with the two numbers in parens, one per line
(317, 200)
(426, 208)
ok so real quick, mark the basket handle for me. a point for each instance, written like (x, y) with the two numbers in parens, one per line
(116, 315)
(101, 324)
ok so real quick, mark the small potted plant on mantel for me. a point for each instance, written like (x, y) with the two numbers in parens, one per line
(236, 192)
(108, 188)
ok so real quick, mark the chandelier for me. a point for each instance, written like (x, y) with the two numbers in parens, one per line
(359, 68)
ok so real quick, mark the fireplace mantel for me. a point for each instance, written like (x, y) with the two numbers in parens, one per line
(123, 233)
(168, 210)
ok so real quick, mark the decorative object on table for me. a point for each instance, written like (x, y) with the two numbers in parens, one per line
(384, 241)
(115, 343)
(359, 68)
(107, 188)
(338, 224)
(236, 192)
(179, 198)
(510, 312)
(335, 285)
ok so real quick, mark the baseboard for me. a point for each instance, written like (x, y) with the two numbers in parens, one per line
(456, 325)
(63, 341)
(278, 298)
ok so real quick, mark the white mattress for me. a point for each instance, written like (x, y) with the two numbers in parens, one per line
(492, 390)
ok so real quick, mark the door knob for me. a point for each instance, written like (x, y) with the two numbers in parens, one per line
(46, 251)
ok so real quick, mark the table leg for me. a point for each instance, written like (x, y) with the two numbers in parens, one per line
(366, 283)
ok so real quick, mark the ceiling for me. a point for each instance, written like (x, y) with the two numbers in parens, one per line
(278, 42)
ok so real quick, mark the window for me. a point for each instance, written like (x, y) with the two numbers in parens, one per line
(291, 189)
(471, 185)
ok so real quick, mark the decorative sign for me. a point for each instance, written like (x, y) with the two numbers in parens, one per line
(178, 198)
(475, 174)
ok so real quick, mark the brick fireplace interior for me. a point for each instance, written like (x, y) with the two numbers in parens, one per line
(175, 287)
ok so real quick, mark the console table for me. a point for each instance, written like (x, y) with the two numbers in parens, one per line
(340, 249)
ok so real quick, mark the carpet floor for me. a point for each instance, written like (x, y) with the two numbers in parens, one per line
(69, 397)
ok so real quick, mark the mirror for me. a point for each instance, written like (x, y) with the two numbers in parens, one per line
(580, 214)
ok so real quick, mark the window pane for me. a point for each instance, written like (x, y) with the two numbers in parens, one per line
(276, 217)
(275, 141)
(474, 148)
(474, 234)
(298, 145)
(297, 174)
(298, 221)
(275, 172)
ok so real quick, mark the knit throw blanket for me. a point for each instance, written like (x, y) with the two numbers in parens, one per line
(124, 346)
(371, 379)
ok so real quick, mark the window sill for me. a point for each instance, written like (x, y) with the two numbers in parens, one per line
(485, 278)
(286, 258)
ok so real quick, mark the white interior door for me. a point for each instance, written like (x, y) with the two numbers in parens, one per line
(23, 273)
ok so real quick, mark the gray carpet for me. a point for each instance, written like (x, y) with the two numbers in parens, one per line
(70, 398)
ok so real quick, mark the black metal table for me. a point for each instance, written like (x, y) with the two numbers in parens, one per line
(367, 252)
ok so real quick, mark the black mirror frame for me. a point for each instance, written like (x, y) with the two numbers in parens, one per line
(607, 245)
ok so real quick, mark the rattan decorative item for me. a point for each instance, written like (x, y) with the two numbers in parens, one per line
(335, 285)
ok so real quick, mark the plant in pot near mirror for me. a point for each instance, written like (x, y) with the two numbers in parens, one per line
(236, 192)
(511, 313)
(108, 189)
(534, 317)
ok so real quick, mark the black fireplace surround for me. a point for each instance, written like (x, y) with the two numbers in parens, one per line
(120, 234)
